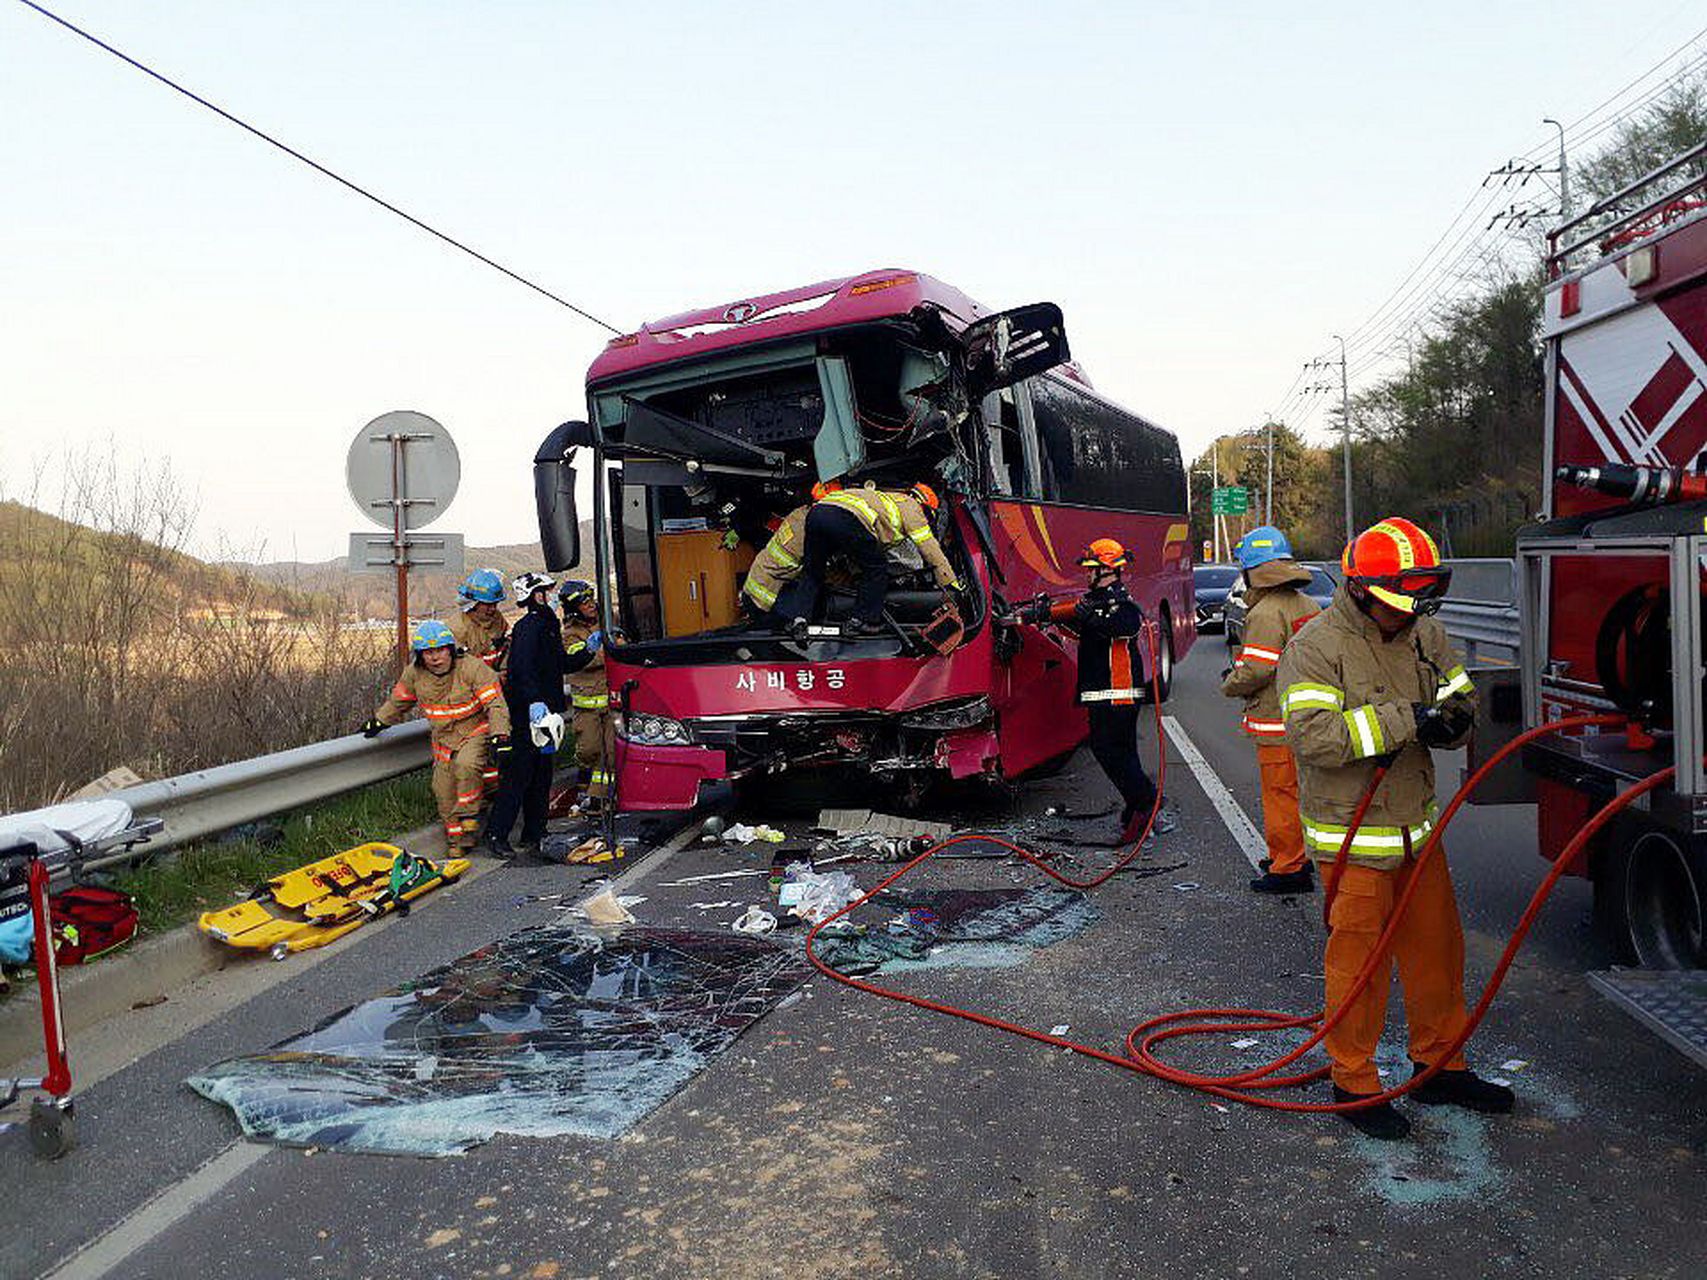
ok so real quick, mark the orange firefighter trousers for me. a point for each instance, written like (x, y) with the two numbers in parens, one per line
(459, 786)
(1429, 949)
(1281, 824)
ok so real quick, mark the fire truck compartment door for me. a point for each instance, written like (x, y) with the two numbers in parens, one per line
(1499, 719)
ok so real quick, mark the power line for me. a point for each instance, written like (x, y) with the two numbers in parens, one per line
(315, 164)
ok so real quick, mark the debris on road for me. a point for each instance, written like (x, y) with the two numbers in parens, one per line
(865, 822)
(549, 1032)
(603, 908)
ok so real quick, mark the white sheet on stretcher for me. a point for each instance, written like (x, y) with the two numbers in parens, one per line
(87, 820)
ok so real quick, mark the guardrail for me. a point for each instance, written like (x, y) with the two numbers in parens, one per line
(198, 804)
(1480, 611)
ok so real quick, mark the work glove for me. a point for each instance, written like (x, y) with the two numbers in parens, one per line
(595, 641)
(1434, 726)
(1458, 714)
(536, 712)
(372, 728)
(730, 540)
(1035, 610)
(500, 744)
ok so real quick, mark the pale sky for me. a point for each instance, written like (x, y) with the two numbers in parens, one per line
(1208, 191)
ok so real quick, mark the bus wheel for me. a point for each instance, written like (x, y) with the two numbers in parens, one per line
(1165, 655)
(1649, 891)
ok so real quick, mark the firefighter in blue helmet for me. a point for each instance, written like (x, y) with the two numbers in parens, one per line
(460, 697)
(480, 628)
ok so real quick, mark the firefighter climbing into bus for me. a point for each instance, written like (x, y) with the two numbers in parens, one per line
(872, 528)
(1111, 628)
(778, 562)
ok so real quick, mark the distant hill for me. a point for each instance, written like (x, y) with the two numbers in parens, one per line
(372, 594)
(55, 550)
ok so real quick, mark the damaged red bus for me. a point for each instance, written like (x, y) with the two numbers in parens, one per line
(705, 428)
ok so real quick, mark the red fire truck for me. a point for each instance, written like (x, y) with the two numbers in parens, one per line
(1610, 583)
(706, 429)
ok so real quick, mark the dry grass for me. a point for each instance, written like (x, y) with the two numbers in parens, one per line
(118, 648)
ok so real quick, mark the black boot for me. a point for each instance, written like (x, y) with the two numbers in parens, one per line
(1463, 1089)
(1289, 882)
(499, 847)
(1380, 1122)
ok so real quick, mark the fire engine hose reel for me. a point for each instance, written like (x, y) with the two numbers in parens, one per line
(1632, 655)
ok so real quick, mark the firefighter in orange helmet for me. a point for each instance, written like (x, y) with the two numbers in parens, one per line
(1110, 625)
(1371, 681)
(871, 527)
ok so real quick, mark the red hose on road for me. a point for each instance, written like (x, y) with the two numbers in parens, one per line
(1247, 1086)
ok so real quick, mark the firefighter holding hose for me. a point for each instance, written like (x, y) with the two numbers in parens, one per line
(1277, 608)
(1110, 625)
(1373, 683)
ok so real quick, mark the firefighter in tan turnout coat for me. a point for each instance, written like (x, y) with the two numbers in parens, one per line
(460, 697)
(589, 694)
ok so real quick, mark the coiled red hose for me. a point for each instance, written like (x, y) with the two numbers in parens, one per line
(1249, 1086)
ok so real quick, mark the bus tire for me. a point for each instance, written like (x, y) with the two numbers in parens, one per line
(1650, 897)
(1165, 654)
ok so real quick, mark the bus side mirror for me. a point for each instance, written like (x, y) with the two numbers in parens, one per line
(554, 495)
(1011, 346)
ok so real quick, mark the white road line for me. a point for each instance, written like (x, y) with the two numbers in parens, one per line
(1244, 832)
(112, 1248)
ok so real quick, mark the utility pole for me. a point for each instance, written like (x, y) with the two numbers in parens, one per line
(1268, 493)
(1215, 520)
(1345, 425)
(1564, 171)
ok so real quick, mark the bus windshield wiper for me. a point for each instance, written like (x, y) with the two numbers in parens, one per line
(658, 432)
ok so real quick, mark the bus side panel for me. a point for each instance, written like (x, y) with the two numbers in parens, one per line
(1038, 545)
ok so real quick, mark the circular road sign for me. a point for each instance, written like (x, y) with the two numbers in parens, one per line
(427, 472)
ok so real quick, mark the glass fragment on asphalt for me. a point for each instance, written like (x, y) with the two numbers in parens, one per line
(549, 1032)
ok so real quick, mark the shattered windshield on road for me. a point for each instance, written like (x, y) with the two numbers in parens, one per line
(552, 1031)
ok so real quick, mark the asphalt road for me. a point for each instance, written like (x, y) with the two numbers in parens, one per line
(844, 1135)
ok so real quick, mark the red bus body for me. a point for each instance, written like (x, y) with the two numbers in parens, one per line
(1000, 703)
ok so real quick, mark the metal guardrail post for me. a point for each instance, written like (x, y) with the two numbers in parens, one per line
(198, 804)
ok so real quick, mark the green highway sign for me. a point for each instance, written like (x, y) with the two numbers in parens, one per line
(1230, 501)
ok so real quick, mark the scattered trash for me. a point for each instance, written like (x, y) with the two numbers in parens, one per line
(714, 906)
(549, 1032)
(1186, 886)
(1514, 1064)
(741, 833)
(149, 1003)
(755, 920)
(604, 908)
(711, 830)
(1246, 1043)
(1059, 1029)
(815, 896)
(594, 850)
(1500, 1080)
(865, 822)
(985, 928)
(1226, 1111)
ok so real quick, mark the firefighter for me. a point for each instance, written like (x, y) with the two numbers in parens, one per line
(778, 562)
(589, 695)
(460, 697)
(1373, 680)
(1277, 608)
(868, 525)
(480, 629)
(1110, 625)
(533, 687)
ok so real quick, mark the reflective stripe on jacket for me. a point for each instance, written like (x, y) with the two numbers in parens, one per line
(779, 560)
(1346, 694)
(890, 517)
(1108, 622)
(1276, 609)
(588, 688)
(464, 703)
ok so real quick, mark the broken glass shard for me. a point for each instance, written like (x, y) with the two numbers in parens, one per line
(552, 1031)
(958, 928)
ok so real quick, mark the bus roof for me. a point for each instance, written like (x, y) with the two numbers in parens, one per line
(875, 295)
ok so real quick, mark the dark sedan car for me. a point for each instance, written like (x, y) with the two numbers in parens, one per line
(1212, 582)
(1321, 590)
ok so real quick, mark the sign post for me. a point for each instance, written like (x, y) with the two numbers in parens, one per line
(402, 471)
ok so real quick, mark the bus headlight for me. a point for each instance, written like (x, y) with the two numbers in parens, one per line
(652, 731)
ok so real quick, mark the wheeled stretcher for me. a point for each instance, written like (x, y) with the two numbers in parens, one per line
(40, 852)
